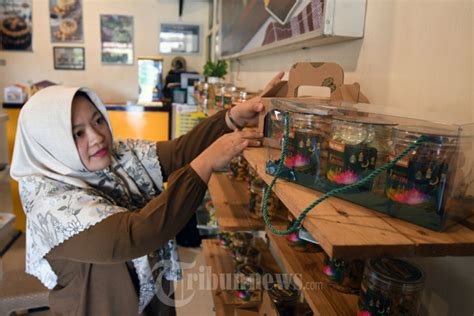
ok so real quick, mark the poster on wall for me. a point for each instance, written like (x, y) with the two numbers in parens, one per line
(15, 25)
(65, 19)
(69, 58)
(116, 37)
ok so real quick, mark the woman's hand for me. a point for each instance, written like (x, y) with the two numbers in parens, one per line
(246, 113)
(220, 152)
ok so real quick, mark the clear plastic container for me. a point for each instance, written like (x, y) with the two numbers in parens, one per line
(422, 186)
(285, 298)
(309, 129)
(357, 146)
(391, 287)
(343, 275)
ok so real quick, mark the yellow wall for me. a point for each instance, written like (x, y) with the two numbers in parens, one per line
(141, 125)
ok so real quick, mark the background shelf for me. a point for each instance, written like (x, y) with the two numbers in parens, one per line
(308, 266)
(221, 263)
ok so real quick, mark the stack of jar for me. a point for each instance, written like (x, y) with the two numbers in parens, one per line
(258, 189)
(247, 259)
(226, 96)
(327, 150)
(239, 168)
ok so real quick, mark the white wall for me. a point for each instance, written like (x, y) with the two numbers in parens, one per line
(114, 83)
(416, 56)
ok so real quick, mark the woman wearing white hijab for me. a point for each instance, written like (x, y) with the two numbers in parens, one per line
(98, 218)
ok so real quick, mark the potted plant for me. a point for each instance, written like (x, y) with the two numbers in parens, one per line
(215, 71)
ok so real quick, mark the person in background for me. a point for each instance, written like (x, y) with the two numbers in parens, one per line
(100, 225)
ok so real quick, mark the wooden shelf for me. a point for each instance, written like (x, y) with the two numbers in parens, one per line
(322, 299)
(231, 201)
(347, 230)
(221, 263)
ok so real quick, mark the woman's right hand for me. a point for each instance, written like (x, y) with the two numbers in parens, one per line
(220, 152)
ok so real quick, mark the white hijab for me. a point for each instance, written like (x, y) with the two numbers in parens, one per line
(61, 198)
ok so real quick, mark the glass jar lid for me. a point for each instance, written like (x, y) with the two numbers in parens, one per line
(249, 269)
(368, 120)
(284, 294)
(243, 236)
(437, 135)
(257, 185)
(395, 274)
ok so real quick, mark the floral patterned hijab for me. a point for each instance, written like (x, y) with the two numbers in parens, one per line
(61, 198)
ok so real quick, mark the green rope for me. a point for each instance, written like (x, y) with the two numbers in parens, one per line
(367, 179)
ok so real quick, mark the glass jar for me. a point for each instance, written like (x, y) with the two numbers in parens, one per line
(248, 281)
(239, 168)
(285, 298)
(196, 91)
(203, 95)
(252, 175)
(241, 239)
(357, 146)
(219, 99)
(242, 96)
(258, 190)
(294, 241)
(391, 287)
(225, 239)
(249, 255)
(419, 179)
(229, 97)
(307, 143)
(343, 275)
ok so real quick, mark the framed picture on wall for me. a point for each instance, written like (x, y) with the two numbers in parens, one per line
(179, 39)
(116, 37)
(69, 58)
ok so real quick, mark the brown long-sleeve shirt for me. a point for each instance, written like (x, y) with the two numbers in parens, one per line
(93, 269)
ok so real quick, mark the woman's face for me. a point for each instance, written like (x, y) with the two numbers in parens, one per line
(91, 134)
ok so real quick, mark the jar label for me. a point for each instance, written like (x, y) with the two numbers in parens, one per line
(304, 152)
(418, 183)
(348, 164)
(373, 303)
